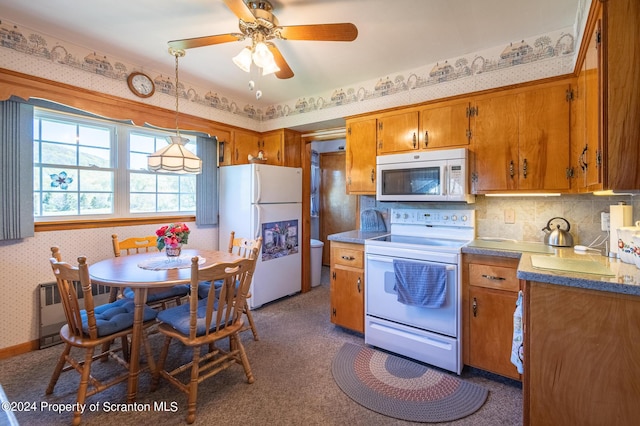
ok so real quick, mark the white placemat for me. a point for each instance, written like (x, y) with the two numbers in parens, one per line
(159, 263)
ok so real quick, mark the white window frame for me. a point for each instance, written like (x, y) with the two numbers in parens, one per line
(120, 167)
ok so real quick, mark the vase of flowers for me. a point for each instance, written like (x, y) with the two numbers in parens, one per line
(172, 237)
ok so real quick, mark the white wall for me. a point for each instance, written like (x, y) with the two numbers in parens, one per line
(26, 265)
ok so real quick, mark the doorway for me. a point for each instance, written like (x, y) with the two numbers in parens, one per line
(338, 210)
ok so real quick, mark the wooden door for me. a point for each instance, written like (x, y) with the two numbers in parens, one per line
(347, 298)
(338, 211)
(544, 138)
(361, 157)
(495, 143)
(271, 144)
(445, 125)
(398, 133)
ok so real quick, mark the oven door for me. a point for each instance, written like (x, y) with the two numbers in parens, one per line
(382, 300)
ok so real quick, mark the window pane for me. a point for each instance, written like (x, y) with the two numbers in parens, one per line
(56, 131)
(94, 136)
(143, 182)
(36, 204)
(188, 202)
(168, 183)
(92, 180)
(96, 203)
(138, 161)
(168, 202)
(55, 204)
(95, 157)
(59, 179)
(141, 203)
(55, 153)
(142, 143)
(188, 184)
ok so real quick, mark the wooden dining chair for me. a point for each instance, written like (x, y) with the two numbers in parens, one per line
(92, 327)
(245, 248)
(205, 322)
(156, 298)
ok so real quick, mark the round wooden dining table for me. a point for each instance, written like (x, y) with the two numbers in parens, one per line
(145, 271)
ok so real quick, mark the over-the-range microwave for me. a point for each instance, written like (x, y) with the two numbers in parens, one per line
(434, 175)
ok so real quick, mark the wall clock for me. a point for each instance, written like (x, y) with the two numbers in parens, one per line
(141, 84)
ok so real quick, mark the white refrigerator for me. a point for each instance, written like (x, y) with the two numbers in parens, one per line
(262, 200)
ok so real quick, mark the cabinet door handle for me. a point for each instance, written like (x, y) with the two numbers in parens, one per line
(493, 277)
(426, 138)
(475, 307)
(348, 257)
(524, 168)
(278, 155)
(511, 169)
(236, 154)
(359, 282)
(414, 139)
(373, 175)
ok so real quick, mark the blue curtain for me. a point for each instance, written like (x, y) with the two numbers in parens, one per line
(207, 182)
(16, 170)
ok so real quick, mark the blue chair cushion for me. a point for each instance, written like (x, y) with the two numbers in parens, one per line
(166, 293)
(115, 316)
(204, 286)
(179, 317)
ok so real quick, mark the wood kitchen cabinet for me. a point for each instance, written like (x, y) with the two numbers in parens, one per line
(521, 140)
(245, 143)
(490, 291)
(586, 113)
(397, 132)
(581, 356)
(360, 156)
(347, 285)
(225, 146)
(446, 124)
(281, 147)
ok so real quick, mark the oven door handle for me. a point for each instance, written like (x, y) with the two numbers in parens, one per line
(386, 259)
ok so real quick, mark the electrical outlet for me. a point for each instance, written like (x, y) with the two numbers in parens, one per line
(509, 216)
(605, 223)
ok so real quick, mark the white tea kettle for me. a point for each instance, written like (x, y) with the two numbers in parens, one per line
(558, 237)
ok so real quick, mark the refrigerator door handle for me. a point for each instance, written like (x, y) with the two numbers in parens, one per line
(258, 221)
(258, 192)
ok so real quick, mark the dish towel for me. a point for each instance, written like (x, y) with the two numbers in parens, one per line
(517, 349)
(420, 284)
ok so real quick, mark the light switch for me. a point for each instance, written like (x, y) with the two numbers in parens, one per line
(509, 216)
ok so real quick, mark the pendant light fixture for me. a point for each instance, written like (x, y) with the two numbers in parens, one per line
(175, 158)
(259, 53)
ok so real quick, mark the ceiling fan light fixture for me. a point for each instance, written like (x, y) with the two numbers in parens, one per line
(270, 68)
(262, 56)
(243, 59)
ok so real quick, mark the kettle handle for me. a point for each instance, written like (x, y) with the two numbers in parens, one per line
(561, 218)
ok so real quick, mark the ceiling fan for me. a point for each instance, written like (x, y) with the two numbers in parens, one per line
(258, 24)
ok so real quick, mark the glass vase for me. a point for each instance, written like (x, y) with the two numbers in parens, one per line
(173, 251)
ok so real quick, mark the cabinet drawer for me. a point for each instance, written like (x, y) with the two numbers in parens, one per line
(348, 257)
(490, 276)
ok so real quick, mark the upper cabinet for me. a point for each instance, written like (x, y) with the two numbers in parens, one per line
(224, 146)
(245, 143)
(361, 156)
(621, 94)
(521, 140)
(586, 111)
(279, 147)
(446, 124)
(397, 132)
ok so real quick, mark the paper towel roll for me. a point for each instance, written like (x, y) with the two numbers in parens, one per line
(620, 215)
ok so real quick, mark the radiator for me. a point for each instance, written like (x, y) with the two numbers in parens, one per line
(52, 313)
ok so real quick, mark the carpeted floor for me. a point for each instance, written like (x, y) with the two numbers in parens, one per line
(292, 367)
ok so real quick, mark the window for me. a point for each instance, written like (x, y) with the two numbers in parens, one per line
(86, 167)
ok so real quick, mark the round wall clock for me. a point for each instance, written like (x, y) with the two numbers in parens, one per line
(141, 84)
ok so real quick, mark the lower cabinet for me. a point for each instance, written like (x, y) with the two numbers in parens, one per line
(489, 294)
(582, 356)
(347, 285)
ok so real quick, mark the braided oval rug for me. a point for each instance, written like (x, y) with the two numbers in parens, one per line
(403, 389)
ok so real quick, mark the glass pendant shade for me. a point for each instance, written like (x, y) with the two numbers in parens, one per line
(270, 68)
(243, 59)
(174, 158)
(261, 55)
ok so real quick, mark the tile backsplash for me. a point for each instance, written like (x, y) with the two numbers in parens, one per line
(530, 214)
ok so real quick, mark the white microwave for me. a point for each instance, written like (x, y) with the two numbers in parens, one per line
(439, 175)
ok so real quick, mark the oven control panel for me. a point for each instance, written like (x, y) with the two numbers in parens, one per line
(433, 217)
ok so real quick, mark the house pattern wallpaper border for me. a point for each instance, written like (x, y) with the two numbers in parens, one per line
(515, 58)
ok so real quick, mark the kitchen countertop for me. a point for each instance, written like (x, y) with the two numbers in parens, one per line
(620, 277)
(356, 237)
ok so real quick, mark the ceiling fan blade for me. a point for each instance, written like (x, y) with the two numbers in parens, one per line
(190, 43)
(323, 32)
(285, 72)
(240, 9)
